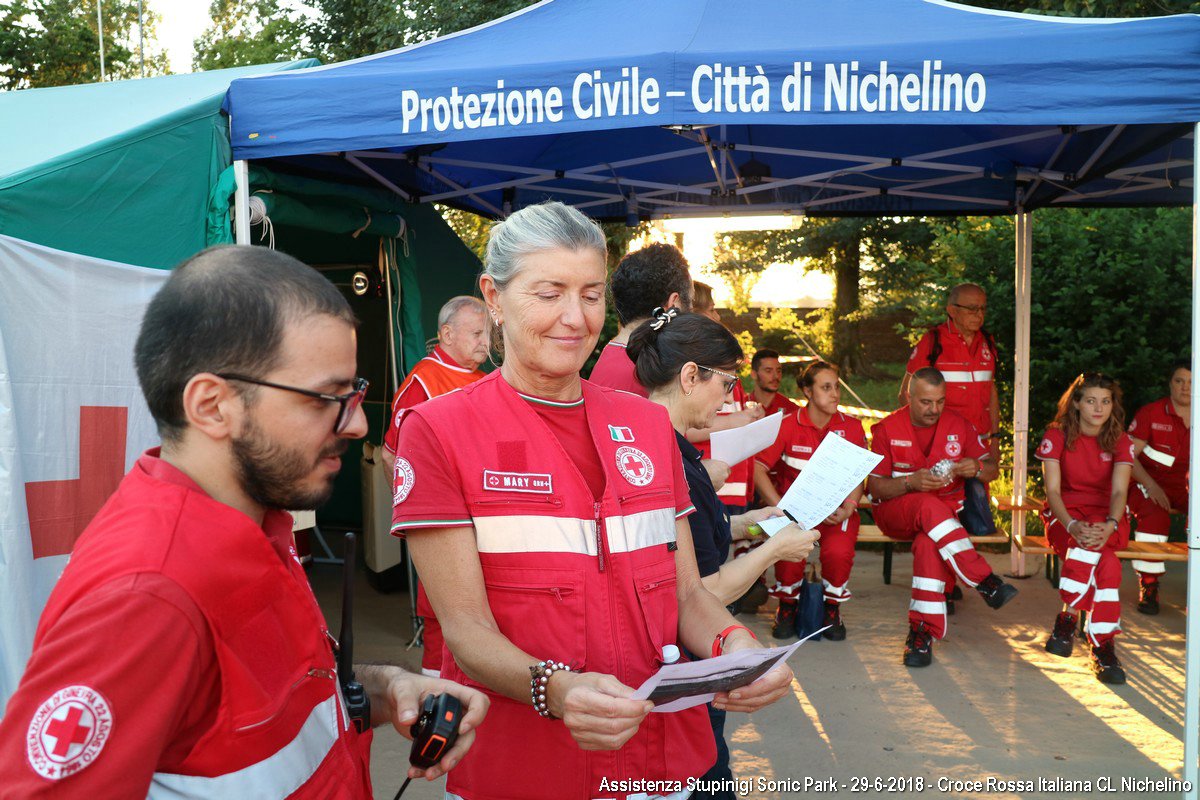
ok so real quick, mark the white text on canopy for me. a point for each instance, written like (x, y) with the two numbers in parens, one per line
(630, 91)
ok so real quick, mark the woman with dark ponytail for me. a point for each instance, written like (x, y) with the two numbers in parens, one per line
(688, 364)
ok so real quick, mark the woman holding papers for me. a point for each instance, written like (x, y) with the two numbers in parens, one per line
(1161, 434)
(689, 364)
(1087, 459)
(548, 517)
(778, 466)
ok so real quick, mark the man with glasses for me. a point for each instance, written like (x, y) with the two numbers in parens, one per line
(183, 653)
(965, 353)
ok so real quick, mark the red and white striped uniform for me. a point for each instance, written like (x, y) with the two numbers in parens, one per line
(798, 439)
(738, 489)
(1090, 579)
(1165, 435)
(969, 371)
(941, 546)
(206, 660)
(570, 576)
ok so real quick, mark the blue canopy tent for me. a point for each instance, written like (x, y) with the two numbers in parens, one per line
(632, 110)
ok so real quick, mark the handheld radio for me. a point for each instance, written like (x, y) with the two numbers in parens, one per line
(358, 705)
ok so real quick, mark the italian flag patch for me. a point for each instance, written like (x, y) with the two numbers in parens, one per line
(620, 434)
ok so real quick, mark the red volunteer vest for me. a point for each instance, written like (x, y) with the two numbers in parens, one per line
(738, 489)
(570, 579)
(952, 439)
(438, 376)
(280, 731)
(968, 374)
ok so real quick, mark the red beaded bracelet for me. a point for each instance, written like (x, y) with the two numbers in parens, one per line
(719, 642)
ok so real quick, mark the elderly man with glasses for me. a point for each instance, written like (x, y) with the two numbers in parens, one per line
(965, 353)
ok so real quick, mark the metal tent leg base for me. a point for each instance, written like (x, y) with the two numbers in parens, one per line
(329, 557)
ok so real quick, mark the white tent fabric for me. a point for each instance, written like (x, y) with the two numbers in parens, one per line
(72, 418)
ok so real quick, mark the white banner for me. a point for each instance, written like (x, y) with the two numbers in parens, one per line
(72, 418)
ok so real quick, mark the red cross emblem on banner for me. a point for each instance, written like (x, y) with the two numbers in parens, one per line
(635, 466)
(60, 510)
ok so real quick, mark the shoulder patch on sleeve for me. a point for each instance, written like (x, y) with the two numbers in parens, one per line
(68, 731)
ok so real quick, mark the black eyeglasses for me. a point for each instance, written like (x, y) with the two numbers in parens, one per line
(348, 403)
(971, 309)
(730, 380)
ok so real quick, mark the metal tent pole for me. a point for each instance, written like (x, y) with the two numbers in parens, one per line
(241, 203)
(1191, 685)
(1024, 290)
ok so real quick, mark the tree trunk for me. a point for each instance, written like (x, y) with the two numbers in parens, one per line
(847, 344)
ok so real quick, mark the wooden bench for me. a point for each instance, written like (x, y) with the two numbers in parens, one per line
(1038, 545)
(1142, 551)
(871, 534)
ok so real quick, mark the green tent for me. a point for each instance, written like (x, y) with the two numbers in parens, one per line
(140, 172)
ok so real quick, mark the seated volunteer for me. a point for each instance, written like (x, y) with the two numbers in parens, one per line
(548, 515)
(963, 350)
(182, 653)
(777, 467)
(1087, 460)
(913, 503)
(689, 364)
(1161, 434)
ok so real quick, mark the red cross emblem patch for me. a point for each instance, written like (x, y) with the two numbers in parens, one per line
(953, 449)
(635, 466)
(403, 478)
(68, 731)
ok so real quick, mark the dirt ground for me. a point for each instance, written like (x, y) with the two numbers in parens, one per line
(994, 705)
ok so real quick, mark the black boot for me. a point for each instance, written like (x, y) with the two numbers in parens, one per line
(754, 597)
(1062, 640)
(918, 648)
(785, 620)
(996, 592)
(1147, 596)
(836, 631)
(1106, 665)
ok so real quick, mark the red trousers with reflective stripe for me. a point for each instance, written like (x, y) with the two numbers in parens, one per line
(836, 554)
(941, 550)
(1090, 579)
(1153, 522)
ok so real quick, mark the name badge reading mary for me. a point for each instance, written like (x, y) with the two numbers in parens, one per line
(531, 482)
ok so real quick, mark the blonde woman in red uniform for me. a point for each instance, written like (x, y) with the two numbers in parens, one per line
(777, 467)
(1087, 460)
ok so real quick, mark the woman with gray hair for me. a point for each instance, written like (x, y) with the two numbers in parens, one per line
(549, 518)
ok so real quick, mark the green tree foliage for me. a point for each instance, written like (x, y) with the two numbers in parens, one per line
(874, 262)
(1110, 294)
(246, 32)
(471, 228)
(55, 42)
(1093, 8)
(261, 31)
(740, 274)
